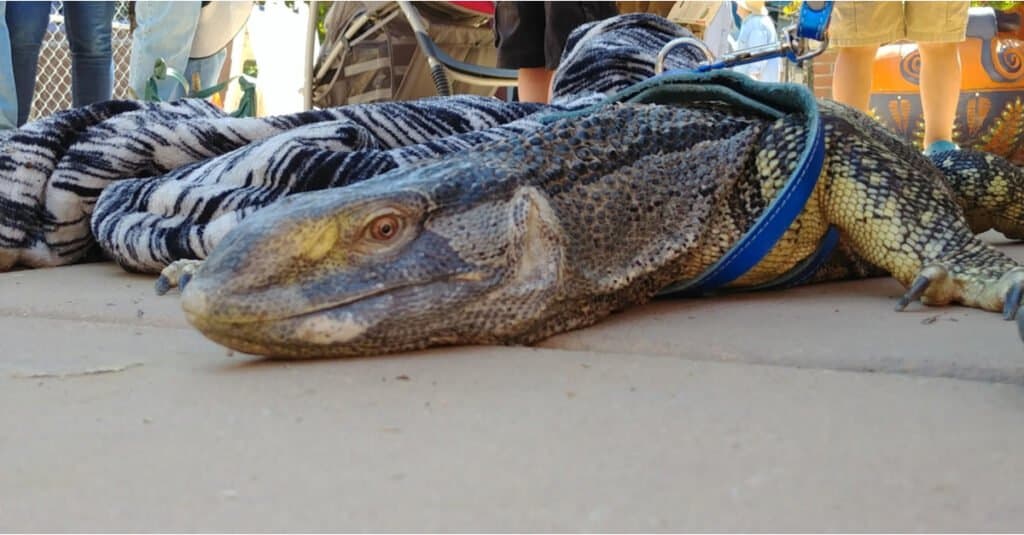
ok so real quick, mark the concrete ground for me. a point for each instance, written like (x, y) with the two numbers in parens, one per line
(813, 409)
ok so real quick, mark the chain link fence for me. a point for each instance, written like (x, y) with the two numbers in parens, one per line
(53, 78)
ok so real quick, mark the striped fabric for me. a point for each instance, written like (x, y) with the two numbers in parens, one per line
(152, 183)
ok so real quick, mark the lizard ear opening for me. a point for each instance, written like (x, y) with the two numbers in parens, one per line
(536, 246)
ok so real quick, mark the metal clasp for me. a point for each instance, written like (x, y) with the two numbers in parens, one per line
(659, 63)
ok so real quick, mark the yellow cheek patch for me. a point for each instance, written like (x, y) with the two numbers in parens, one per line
(317, 244)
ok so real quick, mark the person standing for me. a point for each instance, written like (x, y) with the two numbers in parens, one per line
(8, 92)
(858, 28)
(531, 36)
(168, 31)
(757, 29)
(88, 26)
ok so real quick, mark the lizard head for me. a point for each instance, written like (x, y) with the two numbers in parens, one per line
(403, 261)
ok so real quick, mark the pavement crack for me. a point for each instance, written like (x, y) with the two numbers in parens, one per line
(134, 321)
(879, 366)
(79, 373)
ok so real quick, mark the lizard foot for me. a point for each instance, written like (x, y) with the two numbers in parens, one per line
(178, 273)
(938, 284)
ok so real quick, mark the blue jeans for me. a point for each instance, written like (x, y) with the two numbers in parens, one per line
(88, 26)
(8, 93)
(165, 30)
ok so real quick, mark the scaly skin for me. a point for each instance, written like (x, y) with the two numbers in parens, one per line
(522, 239)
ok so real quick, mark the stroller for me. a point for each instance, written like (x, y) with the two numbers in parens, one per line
(380, 51)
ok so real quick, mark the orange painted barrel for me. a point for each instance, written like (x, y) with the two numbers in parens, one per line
(990, 114)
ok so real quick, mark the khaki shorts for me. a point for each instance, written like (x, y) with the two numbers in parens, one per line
(875, 23)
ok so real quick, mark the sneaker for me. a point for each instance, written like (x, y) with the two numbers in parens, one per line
(940, 146)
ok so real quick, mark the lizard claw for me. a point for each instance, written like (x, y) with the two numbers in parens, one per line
(915, 292)
(162, 285)
(177, 274)
(1011, 305)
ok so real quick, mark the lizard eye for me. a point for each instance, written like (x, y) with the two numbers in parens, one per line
(385, 227)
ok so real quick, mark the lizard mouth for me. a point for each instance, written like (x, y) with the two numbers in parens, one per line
(197, 303)
(295, 335)
(329, 329)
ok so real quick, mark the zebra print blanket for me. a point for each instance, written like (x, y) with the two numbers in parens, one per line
(151, 183)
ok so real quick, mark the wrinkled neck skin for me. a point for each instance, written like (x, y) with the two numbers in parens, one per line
(508, 243)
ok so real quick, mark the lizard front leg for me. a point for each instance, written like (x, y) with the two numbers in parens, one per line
(900, 215)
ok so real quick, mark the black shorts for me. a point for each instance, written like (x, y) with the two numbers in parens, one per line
(533, 34)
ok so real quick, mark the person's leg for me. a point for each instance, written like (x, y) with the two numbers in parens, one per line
(8, 92)
(940, 89)
(519, 37)
(92, 60)
(535, 84)
(938, 28)
(26, 23)
(851, 80)
(207, 69)
(162, 30)
(856, 29)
